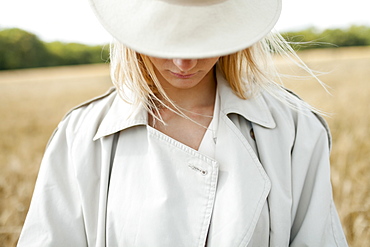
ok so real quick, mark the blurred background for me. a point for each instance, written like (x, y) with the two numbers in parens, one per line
(54, 55)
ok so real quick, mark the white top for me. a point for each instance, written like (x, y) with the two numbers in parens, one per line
(208, 144)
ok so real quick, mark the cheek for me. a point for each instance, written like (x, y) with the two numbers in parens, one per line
(209, 63)
(159, 63)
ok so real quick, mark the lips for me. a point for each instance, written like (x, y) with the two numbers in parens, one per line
(182, 76)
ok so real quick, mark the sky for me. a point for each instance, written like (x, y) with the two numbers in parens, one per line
(73, 20)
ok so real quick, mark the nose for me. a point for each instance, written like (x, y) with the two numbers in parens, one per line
(185, 64)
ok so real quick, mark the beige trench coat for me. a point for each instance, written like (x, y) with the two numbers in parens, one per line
(108, 179)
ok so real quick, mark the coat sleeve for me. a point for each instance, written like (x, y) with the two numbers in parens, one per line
(55, 216)
(315, 220)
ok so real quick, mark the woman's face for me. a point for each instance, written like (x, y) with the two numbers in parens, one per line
(184, 73)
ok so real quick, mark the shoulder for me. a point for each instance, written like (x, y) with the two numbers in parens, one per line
(85, 118)
(95, 104)
(289, 110)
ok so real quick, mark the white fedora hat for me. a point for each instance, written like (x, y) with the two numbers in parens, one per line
(187, 28)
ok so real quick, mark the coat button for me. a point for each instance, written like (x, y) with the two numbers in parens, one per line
(197, 169)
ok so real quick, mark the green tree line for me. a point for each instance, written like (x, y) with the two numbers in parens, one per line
(329, 38)
(20, 49)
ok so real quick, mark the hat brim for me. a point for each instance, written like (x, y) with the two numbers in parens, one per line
(187, 28)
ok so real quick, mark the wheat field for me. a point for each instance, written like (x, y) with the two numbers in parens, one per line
(33, 101)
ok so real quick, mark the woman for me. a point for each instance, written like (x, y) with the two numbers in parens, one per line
(196, 146)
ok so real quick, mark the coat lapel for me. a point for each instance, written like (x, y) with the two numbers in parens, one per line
(243, 184)
(242, 188)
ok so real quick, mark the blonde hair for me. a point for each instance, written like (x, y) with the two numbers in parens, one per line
(247, 72)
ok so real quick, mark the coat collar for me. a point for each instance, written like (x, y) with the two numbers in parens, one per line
(254, 109)
(120, 116)
(123, 115)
